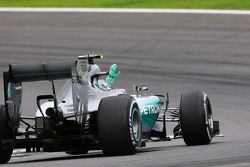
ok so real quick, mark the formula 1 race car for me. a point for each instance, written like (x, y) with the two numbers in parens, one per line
(88, 114)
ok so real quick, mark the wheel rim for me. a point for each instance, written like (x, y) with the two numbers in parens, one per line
(136, 125)
(208, 116)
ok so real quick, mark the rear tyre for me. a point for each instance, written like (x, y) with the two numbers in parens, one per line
(196, 118)
(119, 125)
(5, 155)
(5, 152)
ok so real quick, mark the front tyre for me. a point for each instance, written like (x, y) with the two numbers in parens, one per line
(119, 125)
(196, 118)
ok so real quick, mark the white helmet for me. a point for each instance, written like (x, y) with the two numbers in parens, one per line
(93, 69)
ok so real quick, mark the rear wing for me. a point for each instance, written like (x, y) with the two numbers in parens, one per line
(19, 73)
(75, 70)
(38, 72)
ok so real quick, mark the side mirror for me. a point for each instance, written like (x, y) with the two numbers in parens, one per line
(139, 88)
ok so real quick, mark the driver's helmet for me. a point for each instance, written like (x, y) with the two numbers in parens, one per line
(101, 84)
(93, 69)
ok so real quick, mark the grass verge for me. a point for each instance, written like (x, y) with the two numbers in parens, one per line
(188, 4)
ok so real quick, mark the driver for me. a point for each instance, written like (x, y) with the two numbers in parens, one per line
(100, 83)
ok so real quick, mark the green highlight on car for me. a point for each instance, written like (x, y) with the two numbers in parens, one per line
(149, 109)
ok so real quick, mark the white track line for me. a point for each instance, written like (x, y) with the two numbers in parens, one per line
(125, 10)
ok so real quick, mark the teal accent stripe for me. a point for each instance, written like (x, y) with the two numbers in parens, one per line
(147, 114)
(148, 121)
(154, 101)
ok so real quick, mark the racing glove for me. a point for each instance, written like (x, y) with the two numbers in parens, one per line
(113, 74)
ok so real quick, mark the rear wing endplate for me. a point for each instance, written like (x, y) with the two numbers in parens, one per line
(19, 73)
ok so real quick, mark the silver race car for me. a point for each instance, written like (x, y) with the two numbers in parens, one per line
(88, 114)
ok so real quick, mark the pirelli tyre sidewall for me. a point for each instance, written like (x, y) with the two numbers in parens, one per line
(5, 152)
(196, 118)
(135, 123)
(119, 125)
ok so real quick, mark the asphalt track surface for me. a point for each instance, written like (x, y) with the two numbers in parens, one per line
(169, 52)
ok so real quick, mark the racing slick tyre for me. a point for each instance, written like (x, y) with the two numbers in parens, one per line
(119, 125)
(5, 152)
(196, 118)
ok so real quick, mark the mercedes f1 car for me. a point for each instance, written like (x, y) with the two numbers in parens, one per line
(88, 114)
